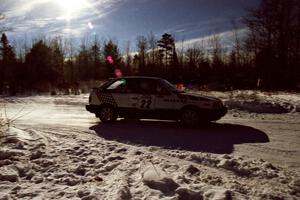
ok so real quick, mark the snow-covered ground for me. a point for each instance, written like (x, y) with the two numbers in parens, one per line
(56, 150)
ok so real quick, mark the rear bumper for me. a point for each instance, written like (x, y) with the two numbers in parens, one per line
(92, 108)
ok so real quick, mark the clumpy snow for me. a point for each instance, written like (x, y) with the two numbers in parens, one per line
(259, 102)
(156, 178)
(57, 150)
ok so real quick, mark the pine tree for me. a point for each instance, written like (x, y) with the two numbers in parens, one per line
(111, 49)
(8, 63)
(58, 58)
(7, 55)
(167, 48)
(40, 67)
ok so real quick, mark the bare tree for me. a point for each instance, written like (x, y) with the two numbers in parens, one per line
(83, 60)
(2, 29)
(152, 42)
(142, 47)
(216, 50)
(181, 53)
(237, 47)
(70, 68)
(195, 55)
(273, 38)
(128, 57)
(59, 54)
(95, 50)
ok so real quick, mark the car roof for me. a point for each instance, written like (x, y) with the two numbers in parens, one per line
(139, 77)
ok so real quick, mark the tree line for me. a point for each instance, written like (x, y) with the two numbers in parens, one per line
(267, 56)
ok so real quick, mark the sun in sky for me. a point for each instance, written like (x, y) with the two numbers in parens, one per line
(71, 8)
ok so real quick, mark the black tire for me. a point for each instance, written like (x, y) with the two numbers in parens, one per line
(107, 114)
(190, 117)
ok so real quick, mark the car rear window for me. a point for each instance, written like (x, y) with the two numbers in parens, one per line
(116, 84)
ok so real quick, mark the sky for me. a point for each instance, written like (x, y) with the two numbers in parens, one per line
(122, 20)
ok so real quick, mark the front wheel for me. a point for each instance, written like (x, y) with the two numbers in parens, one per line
(190, 117)
(107, 114)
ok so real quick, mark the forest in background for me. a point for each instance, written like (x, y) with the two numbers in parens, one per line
(267, 57)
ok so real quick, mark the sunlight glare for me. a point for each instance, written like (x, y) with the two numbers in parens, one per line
(71, 7)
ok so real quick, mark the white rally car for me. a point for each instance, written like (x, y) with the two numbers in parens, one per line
(152, 98)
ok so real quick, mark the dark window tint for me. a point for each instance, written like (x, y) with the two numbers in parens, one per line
(133, 85)
(148, 86)
(141, 86)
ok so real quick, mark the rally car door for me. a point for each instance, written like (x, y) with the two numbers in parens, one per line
(142, 97)
(167, 103)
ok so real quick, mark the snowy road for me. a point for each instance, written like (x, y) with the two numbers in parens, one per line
(81, 158)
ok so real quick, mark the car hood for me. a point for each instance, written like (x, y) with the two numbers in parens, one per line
(198, 97)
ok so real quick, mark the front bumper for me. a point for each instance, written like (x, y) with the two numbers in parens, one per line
(213, 115)
(222, 111)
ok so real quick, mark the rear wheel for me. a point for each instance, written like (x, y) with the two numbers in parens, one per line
(190, 117)
(107, 114)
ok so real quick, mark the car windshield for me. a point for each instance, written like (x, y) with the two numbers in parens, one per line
(170, 87)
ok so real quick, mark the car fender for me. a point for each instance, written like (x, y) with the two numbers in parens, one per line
(190, 106)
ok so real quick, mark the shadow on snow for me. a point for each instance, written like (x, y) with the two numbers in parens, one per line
(213, 138)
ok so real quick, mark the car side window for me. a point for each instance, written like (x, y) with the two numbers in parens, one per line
(161, 90)
(132, 86)
(148, 86)
(118, 86)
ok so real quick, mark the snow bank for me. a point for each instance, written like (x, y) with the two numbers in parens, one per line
(241, 167)
(259, 102)
(47, 99)
(259, 106)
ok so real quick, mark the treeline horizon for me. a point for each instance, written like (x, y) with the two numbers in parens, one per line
(266, 58)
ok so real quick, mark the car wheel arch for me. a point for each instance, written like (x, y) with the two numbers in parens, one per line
(190, 107)
(107, 105)
(103, 105)
(190, 115)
